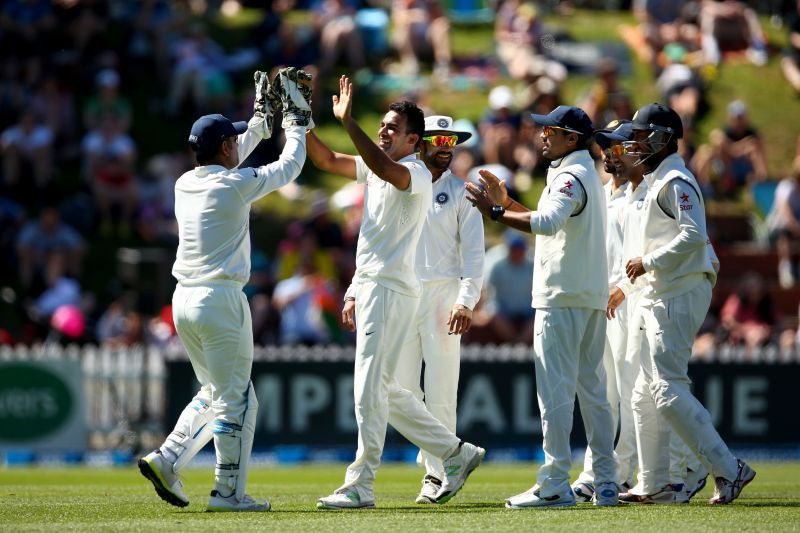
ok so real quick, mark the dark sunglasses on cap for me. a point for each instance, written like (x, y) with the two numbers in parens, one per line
(442, 140)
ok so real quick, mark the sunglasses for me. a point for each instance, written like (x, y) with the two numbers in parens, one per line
(616, 150)
(549, 131)
(442, 140)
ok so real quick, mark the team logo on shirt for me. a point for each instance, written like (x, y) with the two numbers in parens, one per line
(685, 205)
(567, 188)
(442, 198)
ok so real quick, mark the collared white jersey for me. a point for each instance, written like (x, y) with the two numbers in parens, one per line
(212, 207)
(451, 244)
(632, 234)
(391, 226)
(615, 207)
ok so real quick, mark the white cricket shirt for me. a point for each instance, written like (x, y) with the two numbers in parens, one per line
(451, 244)
(212, 206)
(677, 255)
(615, 206)
(632, 234)
(391, 226)
(570, 268)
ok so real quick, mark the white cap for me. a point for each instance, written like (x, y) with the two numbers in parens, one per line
(444, 124)
(500, 97)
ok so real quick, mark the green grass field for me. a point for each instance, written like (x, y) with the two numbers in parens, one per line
(79, 499)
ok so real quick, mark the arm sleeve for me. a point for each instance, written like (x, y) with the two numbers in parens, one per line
(565, 198)
(350, 292)
(248, 141)
(362, 170)
(420, 177)
(257, 182)
(470, 233)
(681, 201)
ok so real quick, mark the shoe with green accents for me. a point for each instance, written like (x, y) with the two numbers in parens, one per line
(457, 469)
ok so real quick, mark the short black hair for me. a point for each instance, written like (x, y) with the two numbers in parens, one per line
(415, 118)
(583, 142)
(204, 158)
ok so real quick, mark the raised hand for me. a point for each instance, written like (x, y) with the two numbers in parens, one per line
(264, 105)
(495, 189)
(343, 103)
(292, 87)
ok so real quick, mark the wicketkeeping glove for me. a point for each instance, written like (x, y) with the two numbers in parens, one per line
(293, 87)
(264, 106)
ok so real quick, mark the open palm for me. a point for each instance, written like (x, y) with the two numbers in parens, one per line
(343, 103)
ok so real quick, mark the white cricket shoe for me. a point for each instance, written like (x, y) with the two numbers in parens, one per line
(532, 499)
(218, 503)
(726, 490)
(606, 495)
(584, 492)
(665, 496)
(348, 498)
(430, 487)
(457, 469)
(167, 483)
(695, 481)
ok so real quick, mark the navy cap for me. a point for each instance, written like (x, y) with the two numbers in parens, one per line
(658, 115)
(615, 131)
(209, 131)
(567, 117)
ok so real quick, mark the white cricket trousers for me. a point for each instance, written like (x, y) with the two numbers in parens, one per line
(568, 348)
(383, 318)
(214, 325)
(662, 398)
(621, 364)
(428, 341)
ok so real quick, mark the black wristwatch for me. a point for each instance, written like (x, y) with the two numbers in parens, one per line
(496, 212)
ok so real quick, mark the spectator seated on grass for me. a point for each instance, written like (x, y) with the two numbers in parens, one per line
(790, 63)
(729, 28)
(499, 128)
(749, 317)
(339, 35)
(422, 32)
(734, 157)
(681, 85)
(606, 99)
(784, 224)
(109, 158)
(107, 101)
(27, 149)
(509, 282)
(306, 305)
(660, 22)
(44, 237)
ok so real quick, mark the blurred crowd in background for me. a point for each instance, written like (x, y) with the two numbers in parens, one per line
(87, 232)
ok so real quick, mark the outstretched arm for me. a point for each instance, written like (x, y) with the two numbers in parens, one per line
(326, 159)
(493, 192)
(377, 161)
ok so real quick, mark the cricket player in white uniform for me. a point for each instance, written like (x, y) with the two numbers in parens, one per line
(450, 257)
(384, 297)
(679, 269)
(211, 313)
(687, 473)
(570, 294)
(614, 361)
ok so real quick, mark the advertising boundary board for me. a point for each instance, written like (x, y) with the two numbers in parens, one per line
(311, 403)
